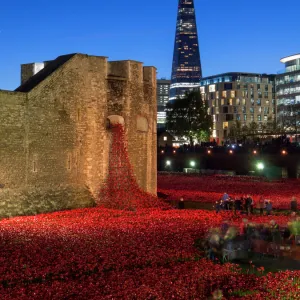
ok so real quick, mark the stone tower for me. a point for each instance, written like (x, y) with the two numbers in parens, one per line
(55, 136)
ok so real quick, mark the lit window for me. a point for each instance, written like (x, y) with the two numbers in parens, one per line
(224, 94)
(232, 94)
(212, 88)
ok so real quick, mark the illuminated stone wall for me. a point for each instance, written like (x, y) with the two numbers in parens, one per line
(55, 141)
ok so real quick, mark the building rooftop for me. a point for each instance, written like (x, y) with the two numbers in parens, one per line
(237, 74)
(289, 58)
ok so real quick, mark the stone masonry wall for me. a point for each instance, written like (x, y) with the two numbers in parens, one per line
(55, 142)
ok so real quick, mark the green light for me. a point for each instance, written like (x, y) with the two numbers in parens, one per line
(260, 166)
(192, 163)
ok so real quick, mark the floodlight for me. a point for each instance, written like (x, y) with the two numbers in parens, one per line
(260, 166)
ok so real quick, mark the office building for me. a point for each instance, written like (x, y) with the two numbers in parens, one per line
(186, 67)
(243, 97)
(162, 91)
(288, 93)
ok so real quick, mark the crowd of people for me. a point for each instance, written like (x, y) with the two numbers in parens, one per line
(251, 237)
(247, 205)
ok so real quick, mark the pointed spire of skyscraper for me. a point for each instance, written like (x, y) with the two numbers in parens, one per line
(186, 68)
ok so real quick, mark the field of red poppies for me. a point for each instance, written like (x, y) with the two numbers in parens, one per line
(209, 189)
(109, 254)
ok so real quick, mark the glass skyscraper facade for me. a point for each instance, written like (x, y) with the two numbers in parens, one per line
(186, 67)
(163, 91)
(288, 93)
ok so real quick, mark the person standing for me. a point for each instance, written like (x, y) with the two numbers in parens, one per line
(218, 206)
(225, 199)
(252, 203)
(269, 207)
(181, 203)
(294, 204)
(261, 205)
(248, 203)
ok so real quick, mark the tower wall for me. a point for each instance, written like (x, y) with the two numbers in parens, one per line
(62, 142)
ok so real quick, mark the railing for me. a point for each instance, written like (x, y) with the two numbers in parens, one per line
(283, 71)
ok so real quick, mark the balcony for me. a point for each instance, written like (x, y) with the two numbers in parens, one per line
(283, 71)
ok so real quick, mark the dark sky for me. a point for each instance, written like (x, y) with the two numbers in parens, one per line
(234, 35)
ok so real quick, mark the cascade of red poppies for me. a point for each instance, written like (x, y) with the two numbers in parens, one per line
(121, 190)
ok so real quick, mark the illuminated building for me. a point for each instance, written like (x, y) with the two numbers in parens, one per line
(244, 97)
(288, 93)
(162, 92)
(186, 68)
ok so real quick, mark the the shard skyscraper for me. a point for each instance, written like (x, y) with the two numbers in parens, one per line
(186, 68)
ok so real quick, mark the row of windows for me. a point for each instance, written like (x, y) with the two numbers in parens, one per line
(289, 90)
(238, 117)
(229, 86)
(229, 78)
(235, 109)
(238, 101)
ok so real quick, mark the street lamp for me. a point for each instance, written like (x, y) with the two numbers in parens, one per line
(260, 166)
(168, 163)
(192, 164)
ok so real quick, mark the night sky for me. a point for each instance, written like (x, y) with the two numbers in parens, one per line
(234, 35)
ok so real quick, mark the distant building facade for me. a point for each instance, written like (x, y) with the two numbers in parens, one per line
(244, 97)
(165, 139)
(186, 67)
(163, 92)
(288, 93)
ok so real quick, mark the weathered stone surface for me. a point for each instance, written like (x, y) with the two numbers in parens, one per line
(54, 144)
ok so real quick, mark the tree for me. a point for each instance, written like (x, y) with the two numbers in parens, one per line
(188, 117)
(235, 132)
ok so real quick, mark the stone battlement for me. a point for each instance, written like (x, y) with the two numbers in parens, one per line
(123, 69)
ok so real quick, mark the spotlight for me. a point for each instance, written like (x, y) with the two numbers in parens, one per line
(230, 152)
(168, 163)
(260, 166)
(192, 163)
(208, 151)
(162, 151)
(284, 152)
(254, 152)
(174, 151)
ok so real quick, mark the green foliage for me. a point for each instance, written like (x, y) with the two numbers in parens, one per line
(188, 117)
(239, 132)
